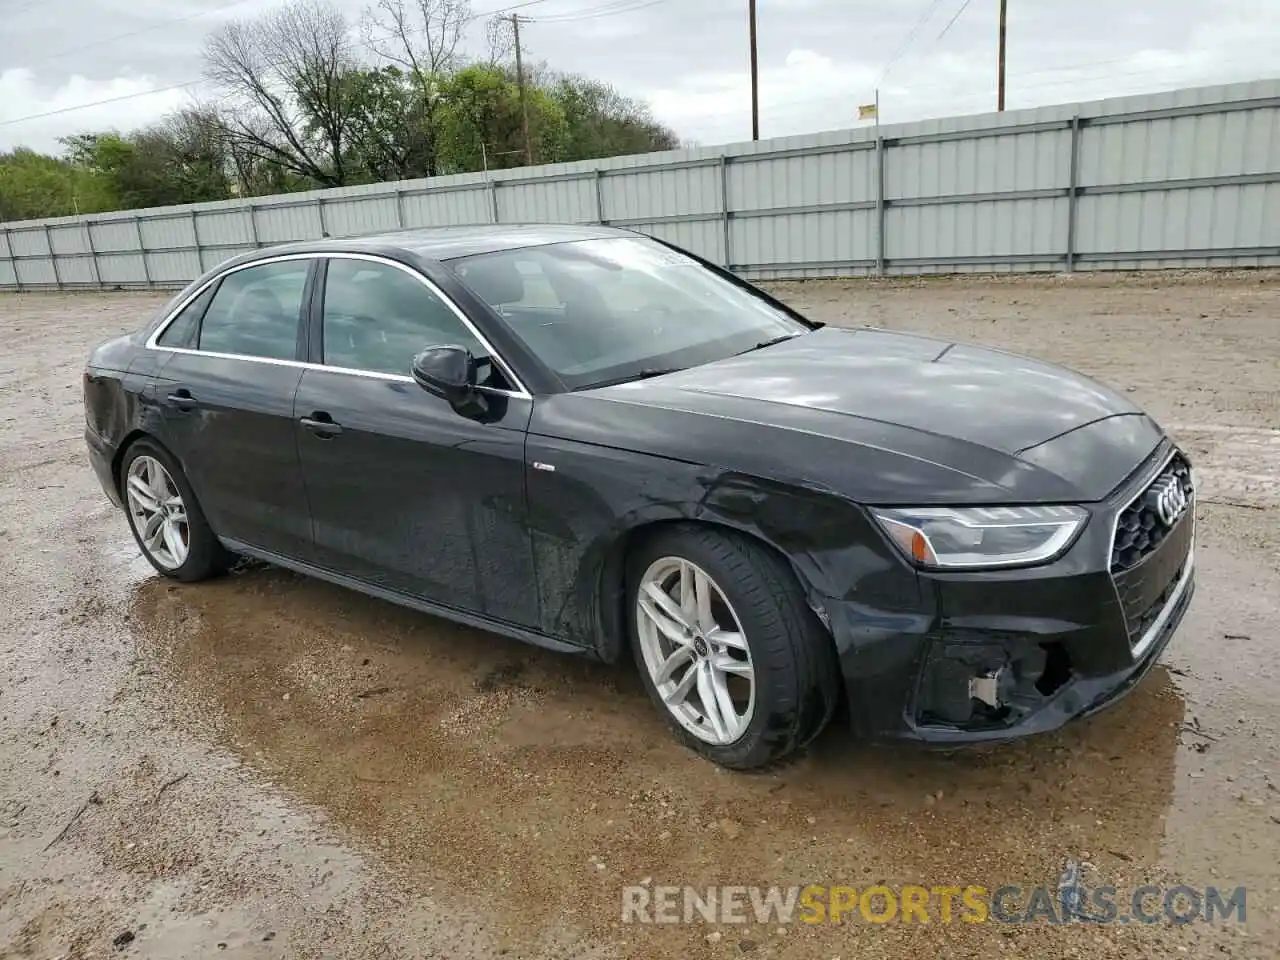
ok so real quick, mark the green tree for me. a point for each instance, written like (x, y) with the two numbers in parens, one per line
(480, 121)
(601, 122)
(34, 186)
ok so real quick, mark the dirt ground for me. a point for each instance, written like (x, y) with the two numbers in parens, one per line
(268, 766)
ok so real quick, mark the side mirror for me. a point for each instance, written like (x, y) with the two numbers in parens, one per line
(446, 371)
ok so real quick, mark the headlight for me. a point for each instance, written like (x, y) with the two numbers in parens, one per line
(945, 537)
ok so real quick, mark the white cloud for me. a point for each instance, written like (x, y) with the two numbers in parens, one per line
(21, 96)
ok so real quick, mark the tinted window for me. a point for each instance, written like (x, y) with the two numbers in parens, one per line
(186, 325)
(255, 311)
(378, 317)
(600, 311)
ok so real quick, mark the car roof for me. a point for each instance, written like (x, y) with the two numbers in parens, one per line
(449, 243)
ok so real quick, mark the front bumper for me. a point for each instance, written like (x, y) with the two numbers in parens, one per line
(1002, 654)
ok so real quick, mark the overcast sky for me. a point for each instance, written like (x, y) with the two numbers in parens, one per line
(687, 58)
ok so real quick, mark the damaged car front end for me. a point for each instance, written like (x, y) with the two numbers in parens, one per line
(1008, 651)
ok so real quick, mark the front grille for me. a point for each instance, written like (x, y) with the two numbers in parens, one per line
(1140, 612)
(1149, 555)
(1139, 528)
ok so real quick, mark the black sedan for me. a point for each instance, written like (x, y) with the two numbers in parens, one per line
(596, 442)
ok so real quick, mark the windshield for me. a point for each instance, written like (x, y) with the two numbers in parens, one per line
(615, 309)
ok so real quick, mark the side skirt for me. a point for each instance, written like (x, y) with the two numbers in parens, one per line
(477, 620)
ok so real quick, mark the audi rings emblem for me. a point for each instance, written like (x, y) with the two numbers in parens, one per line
(1169, 499)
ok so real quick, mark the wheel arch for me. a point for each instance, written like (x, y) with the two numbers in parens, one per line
(127, 443)
(613, 636)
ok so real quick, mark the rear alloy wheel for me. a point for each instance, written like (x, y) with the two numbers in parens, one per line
(166, 520)
(157, 513)
(727, 646)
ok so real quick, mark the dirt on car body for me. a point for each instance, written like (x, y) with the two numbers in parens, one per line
(267, 765)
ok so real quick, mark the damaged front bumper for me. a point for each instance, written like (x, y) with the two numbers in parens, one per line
(1001, 654)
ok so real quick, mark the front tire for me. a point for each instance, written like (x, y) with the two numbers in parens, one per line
(727, 646)
(165, 517)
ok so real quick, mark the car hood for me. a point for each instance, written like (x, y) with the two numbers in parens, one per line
(929, 418)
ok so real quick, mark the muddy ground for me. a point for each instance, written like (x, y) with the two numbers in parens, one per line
(267, 766)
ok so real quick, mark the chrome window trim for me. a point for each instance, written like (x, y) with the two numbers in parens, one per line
(152, 341)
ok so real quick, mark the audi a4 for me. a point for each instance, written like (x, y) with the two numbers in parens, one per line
(599, 443)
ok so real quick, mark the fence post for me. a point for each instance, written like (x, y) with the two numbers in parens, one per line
(253, 225)
(600, 196)
(880, 218)
(93, 252)
(1072, 190)
(324, 230)
(142, 248)
(399, 209)
(13, 257)
(195, 235)
(724, 210)
(53, 257)
(493, 198)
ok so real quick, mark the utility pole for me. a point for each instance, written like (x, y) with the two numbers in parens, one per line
(524, 100)
(1000, 60)
(755, 88)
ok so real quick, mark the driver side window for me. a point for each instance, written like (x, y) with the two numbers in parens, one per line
(378, 317)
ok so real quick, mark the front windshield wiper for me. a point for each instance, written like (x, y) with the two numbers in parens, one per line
(769, 343)
(644, 373)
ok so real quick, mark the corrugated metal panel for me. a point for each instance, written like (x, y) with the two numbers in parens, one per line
(115, 235)
(122, 268)
(167, 233)
(76, 271)
(987, 192)
(226, 226)
(285, 222)
(29, 242)
(439, 208)
(35, 273)
(704, 238)
(561, 200)
(69, 240)
(350, 218)
(1014, 227)
(803, 238)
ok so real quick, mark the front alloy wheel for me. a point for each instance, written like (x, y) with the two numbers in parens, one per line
(695, 650)
(727, 645)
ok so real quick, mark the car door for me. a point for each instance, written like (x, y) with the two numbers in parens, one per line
(226, 396)
(405, 492)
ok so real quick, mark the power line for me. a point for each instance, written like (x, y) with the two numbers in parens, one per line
(910, 37)
(132, 33)
(952, 22)
(98, 103)
(606, 10)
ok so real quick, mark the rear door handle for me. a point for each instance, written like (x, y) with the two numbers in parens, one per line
(182, 400)
(322, 425)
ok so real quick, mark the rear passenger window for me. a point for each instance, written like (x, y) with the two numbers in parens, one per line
(185, 328)
(255, 311)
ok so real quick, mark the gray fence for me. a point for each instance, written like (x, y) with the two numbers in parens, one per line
(1185, 178)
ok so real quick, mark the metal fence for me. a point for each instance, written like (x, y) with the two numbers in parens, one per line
(1185, 178)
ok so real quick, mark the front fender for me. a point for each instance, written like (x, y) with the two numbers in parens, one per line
(585, 512)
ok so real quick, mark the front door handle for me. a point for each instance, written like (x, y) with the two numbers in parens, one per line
(322, 425)
(182, 400)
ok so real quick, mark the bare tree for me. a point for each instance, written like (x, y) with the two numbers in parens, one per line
(286, 74)
(499, 41)
(422, 38)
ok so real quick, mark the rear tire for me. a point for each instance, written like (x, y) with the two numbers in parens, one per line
(714, 612)
(165, 517)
